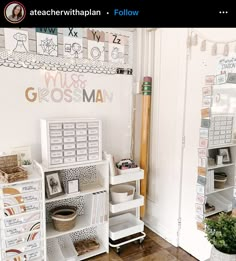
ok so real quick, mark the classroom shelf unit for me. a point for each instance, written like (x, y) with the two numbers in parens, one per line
(22, 225)
(125, 217)
(93, 178)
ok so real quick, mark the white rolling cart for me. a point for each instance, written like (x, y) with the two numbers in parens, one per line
(22, 224)
(125, 217)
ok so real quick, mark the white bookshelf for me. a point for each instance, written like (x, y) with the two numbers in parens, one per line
(226, 193)
(93, 177)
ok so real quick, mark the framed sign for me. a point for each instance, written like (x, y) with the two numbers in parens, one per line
(73, 186)
(53, 185)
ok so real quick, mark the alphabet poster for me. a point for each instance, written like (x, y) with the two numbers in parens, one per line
(96, 48)
(47, 41)
(73, 42)
(16, 40)
(116, 48)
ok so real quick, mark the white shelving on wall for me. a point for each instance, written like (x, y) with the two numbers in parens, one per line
(23, 234)
(125, 217)
(93, 178)
(222, 198)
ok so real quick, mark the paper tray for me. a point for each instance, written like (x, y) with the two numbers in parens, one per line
(124, 225)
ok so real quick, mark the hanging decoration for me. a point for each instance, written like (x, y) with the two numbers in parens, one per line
(226, 50)
(116, 48)
(195, 39)
(47, 41)
(214, 50)
(96, 45)
(16, 40)
(73, 42)
(203, 46)
(215, 47)
(66, 49)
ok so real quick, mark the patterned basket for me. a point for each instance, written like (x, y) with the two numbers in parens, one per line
(64, 218)
(10, 171)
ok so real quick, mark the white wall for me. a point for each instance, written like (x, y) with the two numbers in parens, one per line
(168, 114)
(20, 119)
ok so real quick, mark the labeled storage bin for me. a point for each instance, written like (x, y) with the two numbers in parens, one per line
(64, 218)
(21, 219)
(17, 189)
(22, 208)
(25, 228)
(21, 239)
(19, 199)
(28, 246)
(31, 255)
(124, 225)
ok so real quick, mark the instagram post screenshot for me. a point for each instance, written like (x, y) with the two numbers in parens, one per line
(118, 131)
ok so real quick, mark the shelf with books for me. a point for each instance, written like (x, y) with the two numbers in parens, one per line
(90, 201)
(216, 154)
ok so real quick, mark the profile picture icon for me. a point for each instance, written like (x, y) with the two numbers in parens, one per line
(14, 12)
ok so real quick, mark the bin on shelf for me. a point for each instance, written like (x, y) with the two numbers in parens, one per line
(64, 218)
(122, 193)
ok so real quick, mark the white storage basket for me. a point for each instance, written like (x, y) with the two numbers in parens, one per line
(122, 193)
(125, 225)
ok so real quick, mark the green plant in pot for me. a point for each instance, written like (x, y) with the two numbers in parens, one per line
(27, 165)
(26, 162)
(221, 233)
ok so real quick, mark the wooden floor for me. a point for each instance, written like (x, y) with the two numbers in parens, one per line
(154, 248)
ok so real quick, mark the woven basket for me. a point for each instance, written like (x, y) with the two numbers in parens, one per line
(220, 180)
(64, 218)
(9, 170)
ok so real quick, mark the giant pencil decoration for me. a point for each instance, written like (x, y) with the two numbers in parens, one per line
(144, 153)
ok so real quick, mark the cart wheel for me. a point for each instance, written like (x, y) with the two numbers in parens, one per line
(136, 242)
(118, 250)
(141, 241)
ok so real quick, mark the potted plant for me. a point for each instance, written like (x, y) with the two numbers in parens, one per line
(27, 165)
(221, 233)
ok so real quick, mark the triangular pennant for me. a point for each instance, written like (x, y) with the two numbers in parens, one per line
(226, 50)
(195, 39)
(214, 49)
(203, 46)
(189, 42)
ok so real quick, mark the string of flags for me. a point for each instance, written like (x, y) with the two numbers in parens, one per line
(214, 47)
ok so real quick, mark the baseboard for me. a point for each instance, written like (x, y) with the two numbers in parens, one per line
(163, 232)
